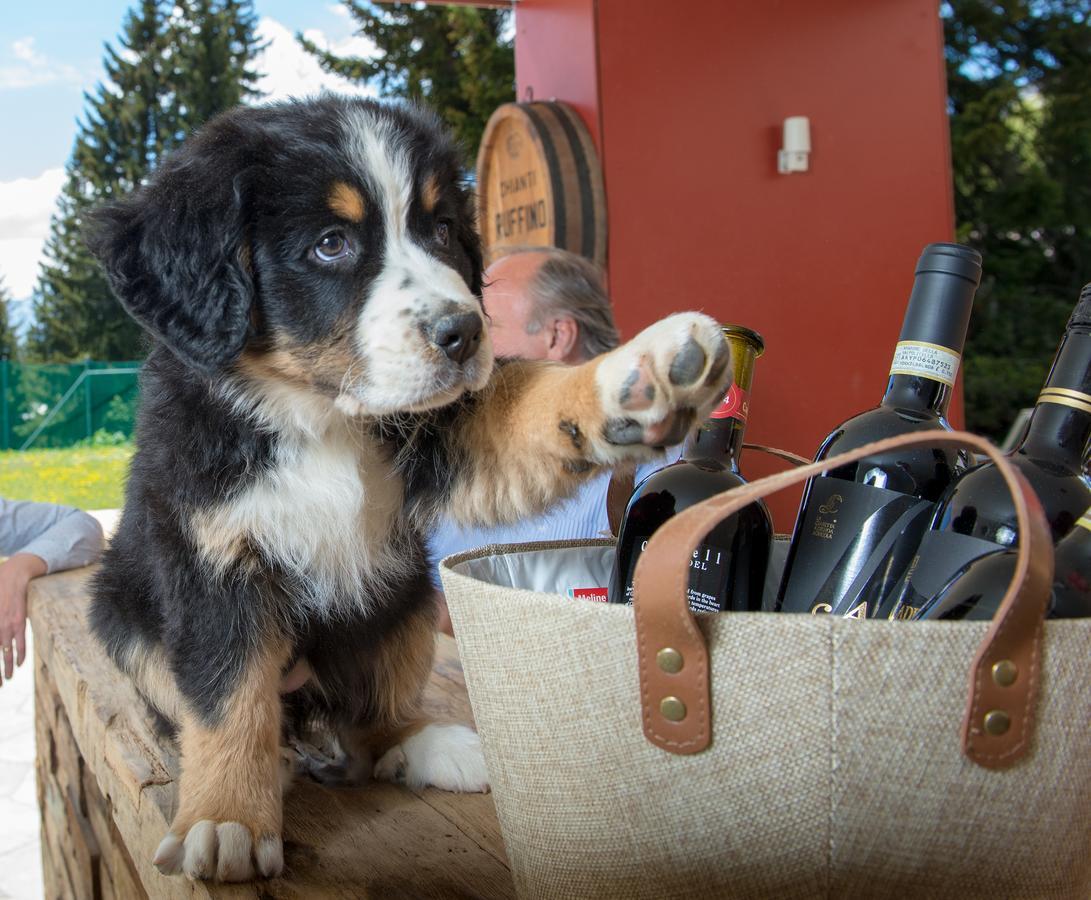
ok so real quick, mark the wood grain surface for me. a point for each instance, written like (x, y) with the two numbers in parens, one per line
(106, 784)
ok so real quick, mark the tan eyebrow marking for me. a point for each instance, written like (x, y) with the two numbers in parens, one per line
(430, 193)
(346, 201)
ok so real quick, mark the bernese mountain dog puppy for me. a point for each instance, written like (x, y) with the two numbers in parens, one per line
(320, 388)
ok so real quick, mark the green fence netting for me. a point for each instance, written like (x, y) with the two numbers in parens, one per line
(60, 404)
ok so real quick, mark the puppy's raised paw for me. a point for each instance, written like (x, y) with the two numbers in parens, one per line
(656, 386)
(448, 757)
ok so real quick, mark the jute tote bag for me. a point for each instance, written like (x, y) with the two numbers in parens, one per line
(816, 757)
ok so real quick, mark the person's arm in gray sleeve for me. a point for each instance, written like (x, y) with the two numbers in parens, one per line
(37, 538)
(62, 536)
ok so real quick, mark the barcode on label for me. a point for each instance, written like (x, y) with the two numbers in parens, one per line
(925, 360)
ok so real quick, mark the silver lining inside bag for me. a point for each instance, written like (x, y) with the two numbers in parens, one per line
(560, 569)
(580, 571)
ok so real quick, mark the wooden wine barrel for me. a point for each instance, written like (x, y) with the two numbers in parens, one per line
(539, 182)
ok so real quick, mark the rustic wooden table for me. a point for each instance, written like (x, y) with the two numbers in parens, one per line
(107, 793)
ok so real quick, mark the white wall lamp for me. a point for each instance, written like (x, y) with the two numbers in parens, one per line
(794, 155)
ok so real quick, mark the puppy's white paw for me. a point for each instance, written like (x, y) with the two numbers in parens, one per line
(224, 851)
(655, 387)
(445, 756)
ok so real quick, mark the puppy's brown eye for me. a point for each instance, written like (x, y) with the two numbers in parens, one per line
(333, 246)
(443, 233)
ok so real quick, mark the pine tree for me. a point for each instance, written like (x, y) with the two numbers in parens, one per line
(8, 342)
(1019, 96)
(215, 42)
(159, 85)
(456, 59)
(75, 314)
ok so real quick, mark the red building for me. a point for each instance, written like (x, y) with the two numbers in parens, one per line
(686, 101)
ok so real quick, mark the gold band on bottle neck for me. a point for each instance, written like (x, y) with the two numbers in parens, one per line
(1066, 397)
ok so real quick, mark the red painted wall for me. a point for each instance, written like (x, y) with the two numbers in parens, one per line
(689, 102)
(556, 57)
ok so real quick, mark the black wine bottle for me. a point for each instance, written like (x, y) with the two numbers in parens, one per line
(727, 571)
(977, 591)
(976, 516)
(1071, 597)
(974, 593)
(859, 524)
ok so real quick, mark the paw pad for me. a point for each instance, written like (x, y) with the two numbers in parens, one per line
(638, 390)
(622, 432)
(688, 364)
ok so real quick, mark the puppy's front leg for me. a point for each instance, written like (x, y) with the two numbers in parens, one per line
(228, 824)
(539, 429)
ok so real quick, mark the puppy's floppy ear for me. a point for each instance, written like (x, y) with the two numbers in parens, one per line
(466, 234)
(173, 252)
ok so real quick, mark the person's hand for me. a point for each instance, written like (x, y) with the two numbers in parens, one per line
(15, 575)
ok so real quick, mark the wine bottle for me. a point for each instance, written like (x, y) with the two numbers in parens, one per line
(1071, 598)
(859, 524)
(976, 516)
(974, 593)
(977, 591)
(727, 570)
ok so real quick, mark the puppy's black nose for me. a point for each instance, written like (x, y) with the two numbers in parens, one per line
(457, 336)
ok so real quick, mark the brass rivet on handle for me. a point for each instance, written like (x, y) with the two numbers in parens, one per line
(673, 709)
(669, 660)
(1005, 672)
(997, 722)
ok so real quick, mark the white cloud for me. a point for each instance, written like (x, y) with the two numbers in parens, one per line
(290, 71)
(26, 205)
(30, 68)
(24, 49)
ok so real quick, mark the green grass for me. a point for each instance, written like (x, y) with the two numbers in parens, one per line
(87, 477)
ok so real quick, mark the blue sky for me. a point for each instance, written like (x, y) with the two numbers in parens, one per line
(51, 53)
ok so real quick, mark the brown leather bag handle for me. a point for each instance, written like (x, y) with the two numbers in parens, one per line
(674, 687)
(784, 455)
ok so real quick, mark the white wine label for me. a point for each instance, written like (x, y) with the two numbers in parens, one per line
(708, 571)
(925, 360)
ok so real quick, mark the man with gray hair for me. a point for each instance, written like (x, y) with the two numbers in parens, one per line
(542, 303)
(546, 303)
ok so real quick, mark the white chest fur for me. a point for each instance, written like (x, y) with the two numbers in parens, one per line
(328, 511)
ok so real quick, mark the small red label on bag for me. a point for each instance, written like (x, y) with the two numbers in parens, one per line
(595, 594)
(735, 405)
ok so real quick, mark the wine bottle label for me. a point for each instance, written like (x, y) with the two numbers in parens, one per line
(708, 572)
(942, 555)
(735, 405)
(1066, 397)
(854, 543)
(1084, 521)
(925, 360)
